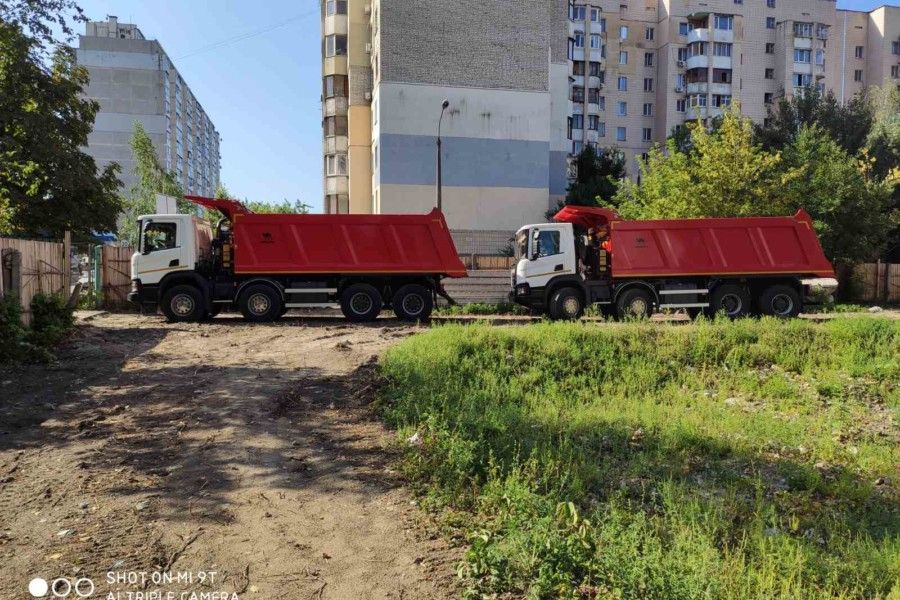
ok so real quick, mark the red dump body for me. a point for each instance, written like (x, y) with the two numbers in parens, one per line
(690, 247)
(377, 244)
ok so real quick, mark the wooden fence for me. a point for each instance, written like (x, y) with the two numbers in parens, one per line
(480, 262)
(30, 267)
(877, 282)
(115, 276)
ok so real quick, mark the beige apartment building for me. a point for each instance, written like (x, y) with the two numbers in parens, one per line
(530, 83)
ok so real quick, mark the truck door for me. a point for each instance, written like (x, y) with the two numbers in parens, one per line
(161, 250)
(550, 254)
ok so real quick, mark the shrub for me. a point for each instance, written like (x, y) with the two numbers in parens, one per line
(51, 320)
(11, 331)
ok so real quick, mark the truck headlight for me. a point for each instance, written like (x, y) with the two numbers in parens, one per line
(522, 290)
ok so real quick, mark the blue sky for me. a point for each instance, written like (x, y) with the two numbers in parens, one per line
(255, 68)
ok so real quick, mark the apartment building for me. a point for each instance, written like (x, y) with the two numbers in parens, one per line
(133, 80)
(532, 83)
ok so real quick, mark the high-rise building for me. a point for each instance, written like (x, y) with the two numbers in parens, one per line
(134, 80)
(531, 83)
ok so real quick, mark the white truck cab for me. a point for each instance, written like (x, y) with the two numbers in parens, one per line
(168, 243)
(544, 252)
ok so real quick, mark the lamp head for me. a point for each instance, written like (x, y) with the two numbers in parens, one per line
(445, 104)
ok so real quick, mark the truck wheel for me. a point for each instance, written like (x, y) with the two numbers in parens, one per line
(361, 302)
(183, 303)
(413, 303)
(780, 301)
(260, 304)
(566, 305)
(635, 303)
(730, 298)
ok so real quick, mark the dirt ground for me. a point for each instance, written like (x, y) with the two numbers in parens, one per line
(247, 451)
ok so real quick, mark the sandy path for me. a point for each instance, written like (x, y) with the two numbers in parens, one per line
(243, 450)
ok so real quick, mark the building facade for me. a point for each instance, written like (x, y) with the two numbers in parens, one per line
(530, 84)
(134, 81)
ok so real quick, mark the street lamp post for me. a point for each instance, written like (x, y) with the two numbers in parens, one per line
(444, 106)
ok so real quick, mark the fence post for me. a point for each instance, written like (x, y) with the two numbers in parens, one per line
(67, 265)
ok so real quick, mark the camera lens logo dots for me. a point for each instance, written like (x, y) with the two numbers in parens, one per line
(61, 588)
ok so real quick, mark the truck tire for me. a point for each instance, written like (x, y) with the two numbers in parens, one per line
(183, 303)
(566, 304)
(413, 303)
(730, 298)
(260, 304)
(780, 301)
(361, 302)
(635, 303)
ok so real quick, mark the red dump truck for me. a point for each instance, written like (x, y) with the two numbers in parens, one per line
(740, 266)
(264, 265)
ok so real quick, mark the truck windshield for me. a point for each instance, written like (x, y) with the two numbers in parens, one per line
(521, 243)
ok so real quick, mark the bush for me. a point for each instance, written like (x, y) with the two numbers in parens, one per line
(51, 320)
(11, 331)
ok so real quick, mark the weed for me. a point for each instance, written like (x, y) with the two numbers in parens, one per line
(755, 458)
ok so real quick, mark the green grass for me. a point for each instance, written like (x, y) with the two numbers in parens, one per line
(754, 459)
(480, 308)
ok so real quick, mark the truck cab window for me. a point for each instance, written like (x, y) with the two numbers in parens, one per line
(547, 243)
(159, 236)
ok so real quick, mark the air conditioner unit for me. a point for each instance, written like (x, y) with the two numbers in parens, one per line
(679, 89)
(681, 64)
(368, 96)
(368, 48)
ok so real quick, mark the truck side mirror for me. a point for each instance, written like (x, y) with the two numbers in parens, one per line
(535, 246)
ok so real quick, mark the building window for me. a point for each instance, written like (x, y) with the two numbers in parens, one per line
(802, 80)
(738, 1)
(724, 22)
(335, 45)
(578, 67)
(770, 48)
(648, 34)
(620, 134)
(803, 29)
(623, 57)
(335, 126)
(622, 109)
(697, 100)
(859, 52)
(602, 25)
(579, 39)
(577, 121)
(770, 22)
(895, 47)
(623, 32)
(820, 57)
(576, 13)
(648, 109)
(648, 59)
(595, 15)
(721, 49)
(601, 129)
(596, 70)
(594, 96)
(601, 102)
(623, 83)
(721, 100)
(336, 7)
(683, 28)
(577, 93)
(648, 84)
(895, 71)
(770, 3)
(335, 86)
(577, 147)
(593, 122)
(679, 82)
(335, 164)
(770, 73)
(767, 98)
(697, 49)
(683, 54)
(802, 56)
(647, 134)
(595, 41)
(858, 75)
(681, 106)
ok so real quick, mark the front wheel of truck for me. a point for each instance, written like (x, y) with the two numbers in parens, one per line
(566, 304)
(183, 303)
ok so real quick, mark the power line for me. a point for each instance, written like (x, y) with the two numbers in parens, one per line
(245, 36)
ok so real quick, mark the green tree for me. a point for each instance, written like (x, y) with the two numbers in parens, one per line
(150, 179)
(38, 18)
(723, 174)
(883, 150)
(285, 207)
(849, 124)
(47, 182)
(849, 203)
(597, 178)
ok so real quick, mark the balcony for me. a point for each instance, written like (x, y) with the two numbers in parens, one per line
(699, 87)
(698, 62)
(698, 35)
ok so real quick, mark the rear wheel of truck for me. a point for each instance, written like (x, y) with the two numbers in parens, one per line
(183, 303)
(566, 304)
(780, 301)
(731, 299)
(413, 303)
(635, 303)
(361, 302)
(260, 304)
